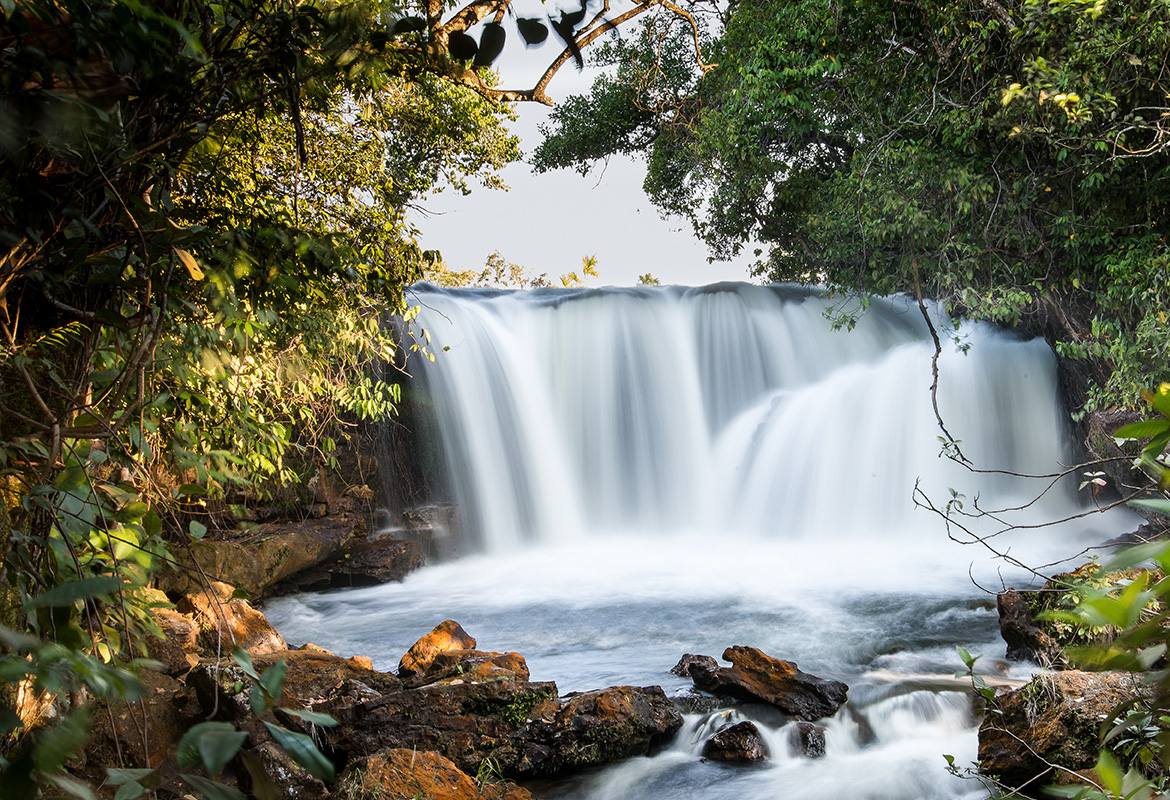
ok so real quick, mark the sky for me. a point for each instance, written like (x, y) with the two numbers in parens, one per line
(548, 222)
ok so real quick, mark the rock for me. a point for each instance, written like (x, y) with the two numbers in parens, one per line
(435, 528)
(1029, 636)
(522, 727)
(178, 650)
(447, 635)
(1114, 459)
(760, 678)
(690, 662)
(696, 703)
(364, 563)
(595, 728)
(806, 739)
(737, 743)
(225, 623)
(273, 552)
(407, 773)
(472, 666)
(314, 677)
(1053, 720)
(286, 777)
(1025, 640)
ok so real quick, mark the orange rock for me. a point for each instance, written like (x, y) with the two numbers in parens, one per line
(447, 635)
(225, 623)
(472, 666)
(399, 774)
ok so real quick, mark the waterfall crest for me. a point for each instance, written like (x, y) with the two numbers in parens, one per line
(732, 408)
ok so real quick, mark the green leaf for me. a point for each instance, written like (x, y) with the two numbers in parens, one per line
(1143, 429)
(314, 717)
(70, 592)
(61, 742)
(131, 513)
(198, 530)
(71, 786)
(9, 721)
(190, 490)
(70, 479)
(16, 640)
(258, 702)
(218, 747)
(968, 659)
(189, 752)
(131, 790)
(1160, 505)
(212, 790)
(244, 659)
(302, 750)
(273, 679)
(1110, 773)
(118, 776)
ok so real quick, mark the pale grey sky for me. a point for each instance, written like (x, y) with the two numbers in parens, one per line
(547, 222)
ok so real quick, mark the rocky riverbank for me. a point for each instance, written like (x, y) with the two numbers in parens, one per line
(1053, 730)
(452, 721)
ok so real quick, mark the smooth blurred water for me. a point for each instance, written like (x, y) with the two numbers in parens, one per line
(645, 473)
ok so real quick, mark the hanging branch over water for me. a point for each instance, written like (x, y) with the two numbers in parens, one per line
(952, 444)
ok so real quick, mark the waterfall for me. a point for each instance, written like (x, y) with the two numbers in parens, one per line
(649, 472)
(735, 409)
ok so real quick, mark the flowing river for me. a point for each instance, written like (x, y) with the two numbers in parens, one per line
(649, 472)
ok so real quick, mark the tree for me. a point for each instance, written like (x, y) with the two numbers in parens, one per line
(1009, 159)
(201, 220)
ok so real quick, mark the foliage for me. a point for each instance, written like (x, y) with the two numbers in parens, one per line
(1009, 159)
(202, 218)
(1136, 744)
(212, 745)
(501, 273)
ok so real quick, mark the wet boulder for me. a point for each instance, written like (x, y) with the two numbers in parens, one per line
(690, 664)
(756, 677)
(522, 728)
(447, 635)
(806, 739)
(1053, 720)
(739, 743)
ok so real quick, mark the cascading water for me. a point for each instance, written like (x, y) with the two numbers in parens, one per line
(647, 472)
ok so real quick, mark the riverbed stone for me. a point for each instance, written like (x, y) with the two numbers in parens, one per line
(738, 743)
(447, 635)
(690, 662)
(757, 677)
(1053, 720)
(806, 739)
(523, 728)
